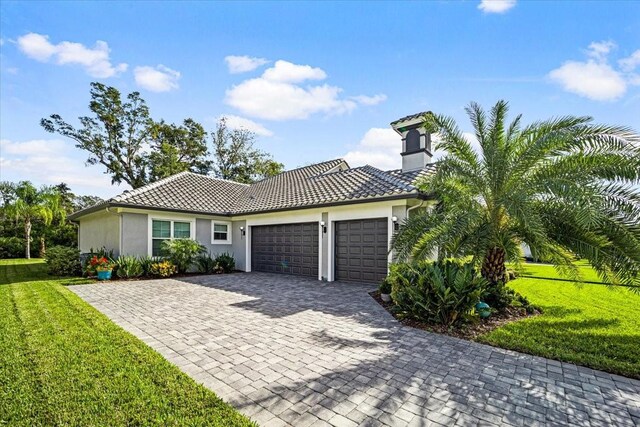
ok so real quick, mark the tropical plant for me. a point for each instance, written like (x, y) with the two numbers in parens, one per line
(565, 187)
(162, 269)
(182, 252)
(443, 292)
(31, 204)
(63, 261)
(205, 263)
(385, 286)
(146, 262)
(128, 267)
(225, 263)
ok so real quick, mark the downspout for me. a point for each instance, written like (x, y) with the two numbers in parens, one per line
(414, 207)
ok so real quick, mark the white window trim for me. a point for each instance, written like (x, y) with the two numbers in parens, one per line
(215, 222)
(172, 219)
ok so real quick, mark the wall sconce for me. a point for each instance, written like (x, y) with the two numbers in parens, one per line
(396, 225)
(324, 227)
(242, 231)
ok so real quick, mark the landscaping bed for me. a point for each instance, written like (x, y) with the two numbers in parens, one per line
(468, 331)
(588, 324)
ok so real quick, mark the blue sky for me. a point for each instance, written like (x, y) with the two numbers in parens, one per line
(316, 80)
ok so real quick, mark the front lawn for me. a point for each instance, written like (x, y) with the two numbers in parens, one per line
(64, 363)
(592, 325)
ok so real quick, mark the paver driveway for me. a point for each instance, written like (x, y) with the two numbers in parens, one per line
(291, 351)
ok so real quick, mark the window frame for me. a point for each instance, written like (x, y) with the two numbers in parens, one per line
(171, 219)
(215, 241)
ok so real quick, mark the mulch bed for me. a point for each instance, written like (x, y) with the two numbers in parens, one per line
(469, 331)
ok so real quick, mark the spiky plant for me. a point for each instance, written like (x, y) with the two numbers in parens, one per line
(566, 187)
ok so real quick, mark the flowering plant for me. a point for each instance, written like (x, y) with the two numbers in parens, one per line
(100, 264)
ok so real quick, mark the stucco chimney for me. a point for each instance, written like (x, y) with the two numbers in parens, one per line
(416, 142)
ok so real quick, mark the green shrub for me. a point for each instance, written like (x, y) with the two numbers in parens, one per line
(385, 286)
(146, 262)
(182, 252)
(11, 247)
(128, 267)
(63, 261)
(225, 263)
(501, 296)
(206, 264)
(443, 292)
(162, 269)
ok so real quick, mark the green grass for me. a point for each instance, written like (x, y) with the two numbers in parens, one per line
(64, 363)
(587, 324)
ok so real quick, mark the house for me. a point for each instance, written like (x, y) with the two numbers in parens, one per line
(326, 220)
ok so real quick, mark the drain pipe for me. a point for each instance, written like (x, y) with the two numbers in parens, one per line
(414, 207)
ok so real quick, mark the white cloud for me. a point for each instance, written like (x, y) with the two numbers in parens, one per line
(370, 100)
(242, 64)
(278, 94)
(600, 50)
(237, 122)
(95, 61)
(49, 162)
(156, 79)
(379, 147)
(595, 78)
(630, 63)
(496, 6)
(287, 72)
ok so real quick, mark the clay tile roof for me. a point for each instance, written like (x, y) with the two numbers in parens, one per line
(323, 183)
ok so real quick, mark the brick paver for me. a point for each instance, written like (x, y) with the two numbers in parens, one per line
(291, 351)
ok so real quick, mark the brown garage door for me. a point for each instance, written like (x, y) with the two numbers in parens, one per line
(285, 248)
(361, 250)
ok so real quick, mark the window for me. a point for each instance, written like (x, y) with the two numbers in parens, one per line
(162, 230)
(221, 232)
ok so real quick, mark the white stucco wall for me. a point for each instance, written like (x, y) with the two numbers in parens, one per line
(134, 225)
(97, 230)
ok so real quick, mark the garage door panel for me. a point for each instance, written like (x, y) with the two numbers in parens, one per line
(361, 250)
(285, 248)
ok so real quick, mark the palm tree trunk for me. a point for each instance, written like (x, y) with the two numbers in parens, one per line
(43, 248)
(493, 266)
(27, 238)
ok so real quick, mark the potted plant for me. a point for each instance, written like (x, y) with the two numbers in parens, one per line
(385, 290)
(103, 267)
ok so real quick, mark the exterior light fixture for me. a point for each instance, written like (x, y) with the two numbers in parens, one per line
(242, 231)
(396, 225)
(324, 227)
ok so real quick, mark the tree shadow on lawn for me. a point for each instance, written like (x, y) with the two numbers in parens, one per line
(20, 273)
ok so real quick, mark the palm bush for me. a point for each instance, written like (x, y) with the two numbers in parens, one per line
(225, 263)
(205, 263)
(443, 292)
(565, 187)
(128, 267)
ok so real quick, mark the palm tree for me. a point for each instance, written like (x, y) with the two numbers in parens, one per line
(32, 204)
(565, 187)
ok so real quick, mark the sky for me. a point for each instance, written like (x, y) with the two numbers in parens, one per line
(314, 80)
